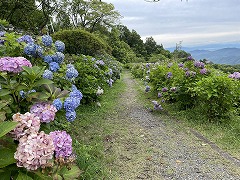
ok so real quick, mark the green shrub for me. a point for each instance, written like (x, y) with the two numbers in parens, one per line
(81, 42)
(217, 95)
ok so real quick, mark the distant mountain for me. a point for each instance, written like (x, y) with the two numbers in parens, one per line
(221, 56)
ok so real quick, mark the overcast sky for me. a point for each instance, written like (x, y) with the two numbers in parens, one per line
(196, 22)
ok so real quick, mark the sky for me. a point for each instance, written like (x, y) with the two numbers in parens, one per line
(193, 23)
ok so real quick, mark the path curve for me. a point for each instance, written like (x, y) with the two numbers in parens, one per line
(144, 146)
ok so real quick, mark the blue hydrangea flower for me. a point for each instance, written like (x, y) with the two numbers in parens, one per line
(31, 91)
(48, 59)
(2, 33)
(47, 74)
(147, 89)
(47, 40)
(53, 66)
(39, 51)
(60, 46)
(26, 38)
(58, 104)
(30, 49)
(76, 94)
(70, 66)
(58, 57)
(22, 94)
(71, 116)
(169, 75)
(74, 87)
(71, 73)
(70, 104)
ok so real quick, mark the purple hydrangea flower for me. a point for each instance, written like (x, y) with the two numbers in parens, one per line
(110, 82)
(47, 40)
(190, 58)
(100, 62)
(58, 104)
(71, 116)
(169, 75)
(47, 74)
(60, 46)
(180, 65)
(199, 64)
(203, 71)
(159, 95)
(13, 64)
(164, 89)
(147, 89)
(147, 65)
(62, 143)
(45, 111)
(187, 73)
(53, 66)
(26, 38)
(235, 75)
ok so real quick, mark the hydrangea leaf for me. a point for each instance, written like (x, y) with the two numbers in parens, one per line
(5, 127)
(71, 174)
(43, 81)
(22, 176)
(4, 92)
(6, 157)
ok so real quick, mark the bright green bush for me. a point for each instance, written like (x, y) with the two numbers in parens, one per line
(81, 42)
(217, 95)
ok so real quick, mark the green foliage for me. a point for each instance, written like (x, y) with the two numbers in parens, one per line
(217, 95)
(213, 94)
(137, 70)
(11, 46)
(81, 42)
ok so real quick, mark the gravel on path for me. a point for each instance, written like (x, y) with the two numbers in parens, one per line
(146, 146)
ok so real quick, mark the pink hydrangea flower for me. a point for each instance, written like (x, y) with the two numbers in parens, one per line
(34, 151)
(28, 124)
(62, 143)
(45, 111)
(13, 64)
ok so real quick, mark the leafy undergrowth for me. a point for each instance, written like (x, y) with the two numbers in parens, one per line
(224, 133)
(88, 134)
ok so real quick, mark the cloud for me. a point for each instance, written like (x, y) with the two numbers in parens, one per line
(194, 22)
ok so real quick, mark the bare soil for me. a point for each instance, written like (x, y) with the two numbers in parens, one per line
(143, 145)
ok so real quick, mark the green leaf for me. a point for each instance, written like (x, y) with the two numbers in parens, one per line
(6, 127)
(43, 81)
(4, 92)
(6, 157)
(22, 176)
(62, 94)
(5, 174)
(27, 69)
(2, 116)
(71, 174)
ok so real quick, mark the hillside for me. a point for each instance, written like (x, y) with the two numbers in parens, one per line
(222, 56)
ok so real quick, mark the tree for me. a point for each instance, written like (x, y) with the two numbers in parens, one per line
(27, 14)
(89, 14)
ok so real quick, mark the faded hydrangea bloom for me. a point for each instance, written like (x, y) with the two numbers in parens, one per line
(165, 89)
(34, 151)
(13, 64)
(147, 89)
(27, 124)
(62, 143)
(45, 111)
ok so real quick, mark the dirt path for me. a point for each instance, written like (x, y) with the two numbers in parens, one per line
(144, 146)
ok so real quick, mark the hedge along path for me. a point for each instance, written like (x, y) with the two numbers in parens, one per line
(144, 145)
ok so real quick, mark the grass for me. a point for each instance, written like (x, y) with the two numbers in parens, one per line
(226, 134)
(88, 132)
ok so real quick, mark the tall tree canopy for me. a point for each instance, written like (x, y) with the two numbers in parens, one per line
(87, 14)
